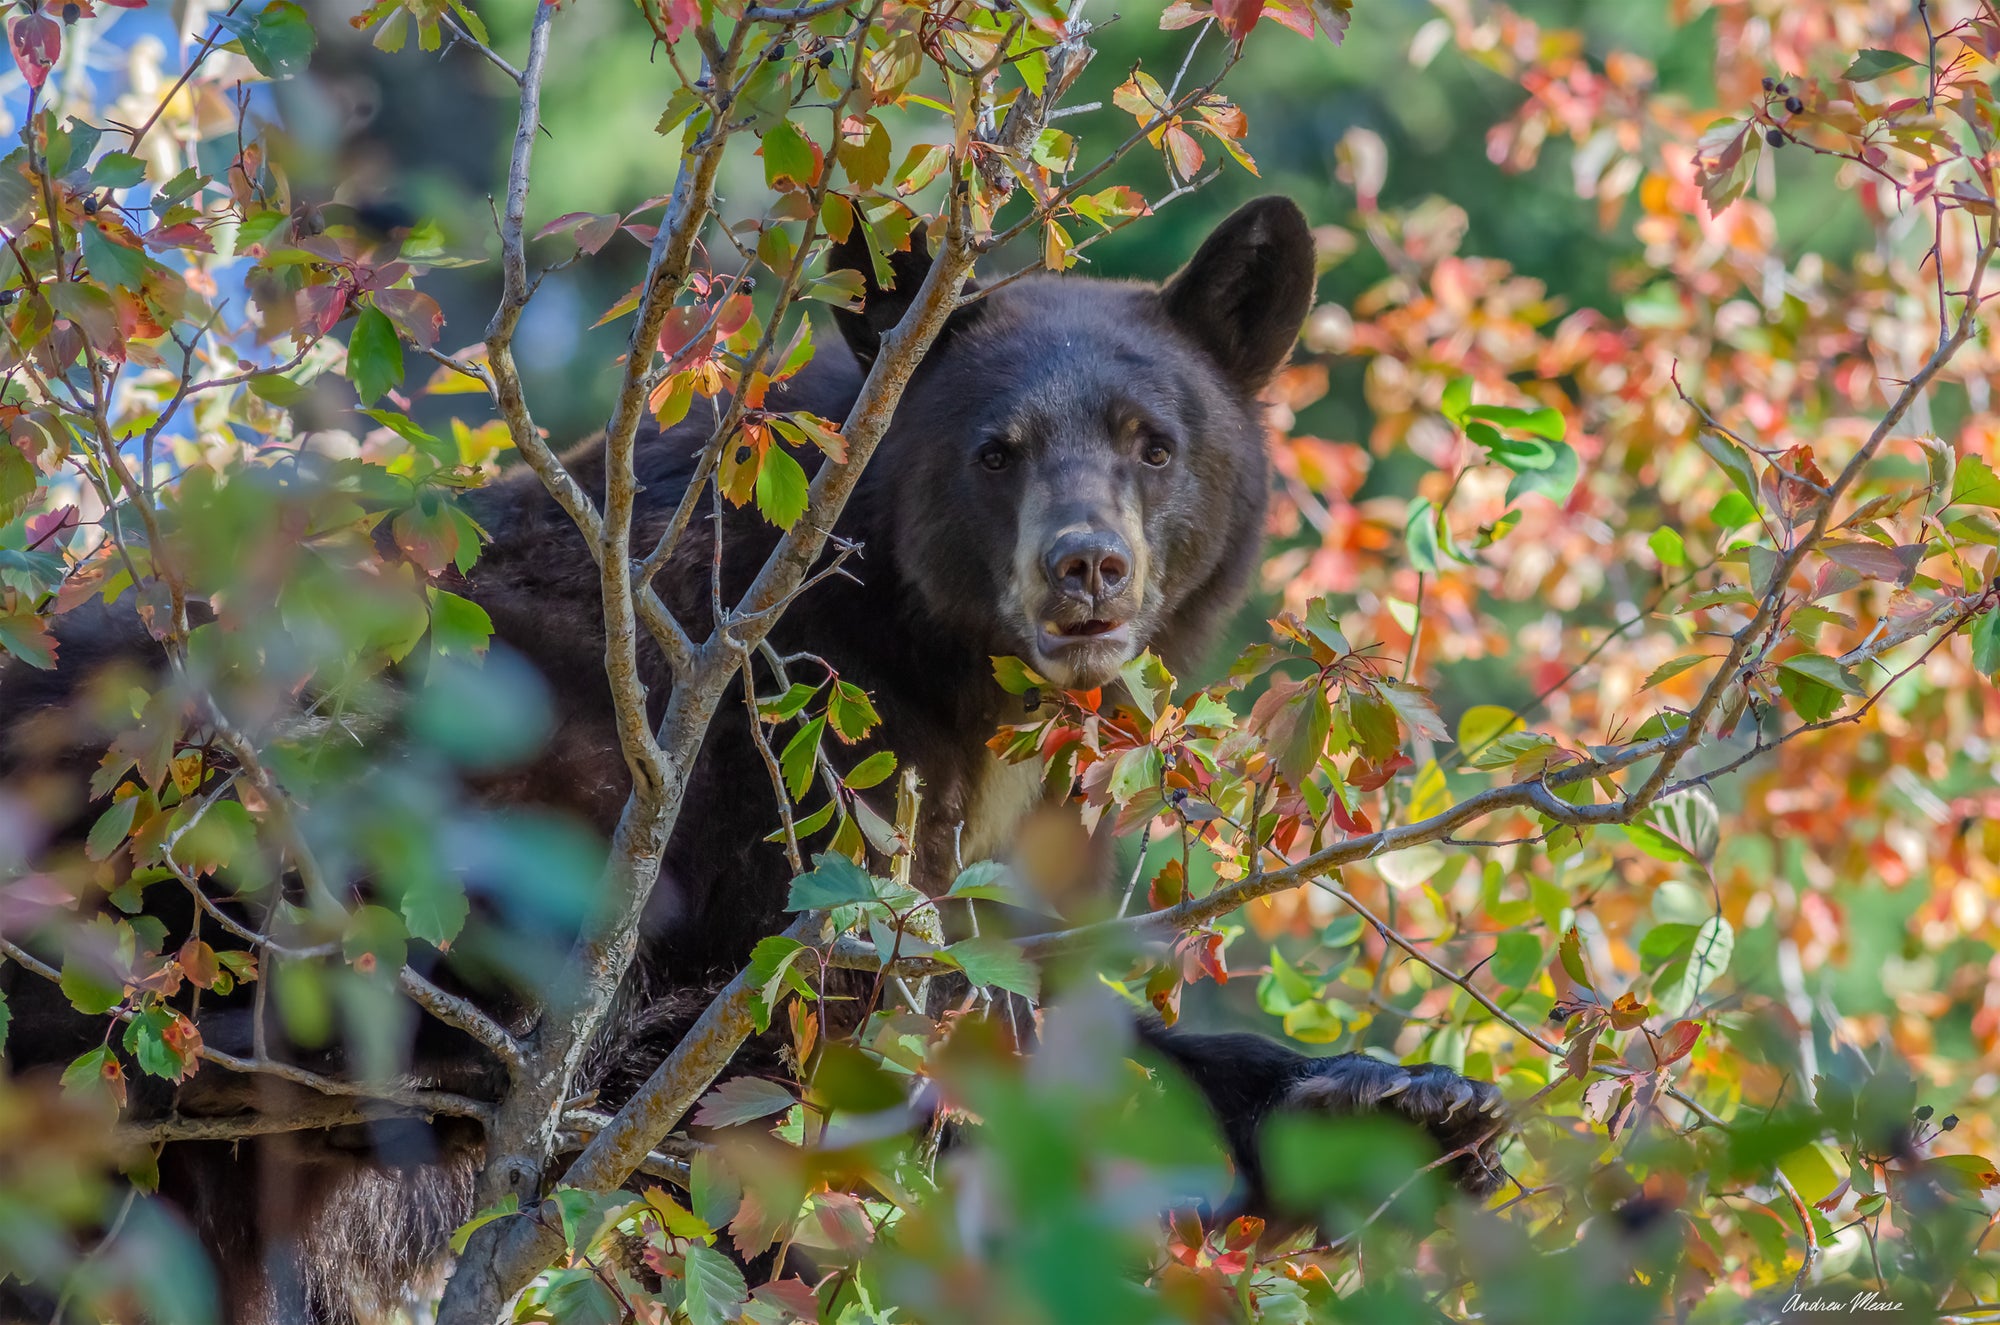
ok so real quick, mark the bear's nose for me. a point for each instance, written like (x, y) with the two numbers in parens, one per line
(1094, 563)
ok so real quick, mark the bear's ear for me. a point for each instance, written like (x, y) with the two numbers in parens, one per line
(1246, 292)
(882, 307)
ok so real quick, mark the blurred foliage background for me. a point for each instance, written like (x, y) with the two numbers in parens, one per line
(432, 146)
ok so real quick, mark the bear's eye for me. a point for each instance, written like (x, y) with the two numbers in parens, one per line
(994, 456)
(1155, 452)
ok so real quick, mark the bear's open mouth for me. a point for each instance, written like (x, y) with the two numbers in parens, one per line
(1103, 629)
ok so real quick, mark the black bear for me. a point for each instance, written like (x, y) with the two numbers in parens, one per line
(1077, 472)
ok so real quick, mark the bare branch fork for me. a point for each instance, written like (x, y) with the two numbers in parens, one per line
(505, 1255)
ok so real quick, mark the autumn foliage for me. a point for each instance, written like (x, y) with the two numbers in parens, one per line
(1618, 724)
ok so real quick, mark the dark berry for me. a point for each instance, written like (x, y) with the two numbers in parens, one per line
(779, 51)
(1924, 1112)
(826, 58)
(1177, 797)
(72, 12)
(90, 205)
(1769, 85)
(1031, 699)
(1794, 105)
(7, 297)
(1775, 137)
(1950, 1121)
(1783, 89)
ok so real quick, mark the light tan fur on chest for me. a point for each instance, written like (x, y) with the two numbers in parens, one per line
(1001, 796)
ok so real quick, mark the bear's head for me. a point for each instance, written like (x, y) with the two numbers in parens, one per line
(1077, 471)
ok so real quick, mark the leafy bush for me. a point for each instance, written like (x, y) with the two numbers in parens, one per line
(1700, 867)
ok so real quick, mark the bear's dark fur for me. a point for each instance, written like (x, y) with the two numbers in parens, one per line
(1076, 472)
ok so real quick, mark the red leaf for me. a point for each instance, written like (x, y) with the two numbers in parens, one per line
(184, 235)
(740, 1100)
(1238, 17)
(794, 1296)
(320, 306)
(1243, 1233)
(680, 16)
(593, 230)
(37, 44)
(1675, 1042)
(1364, 776)
(1185, 152)
(682, 332)
(1874, 560)
(415, 312)
(49, 525)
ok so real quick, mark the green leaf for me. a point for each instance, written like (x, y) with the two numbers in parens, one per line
(1514, 748)
(1570, 952)
(1814, 1171)
(280, 42)
(579, 1297)
(87, 989)
(1733, 511)
(278, 389)
(1658, 845)
(374, 355)
(1873, 64)
(460, 628)
(117, 170)
(1668, 670)
(87, 1074)
(850, 712)
(1482, 724)
(1148, 682)
(1556, 481)
(1707, 958)
(992, 881)
(435, 909)
(833, 881)
(1811, 700)
(110, 262)
(1826, 671)
(871, 771)
(983, 878)
(1734, 463)
(801, 756)
(1975, 483)
(715, 1288)
(1668, 547)
(787, 155)
(145, 1040)
(1542, 422)
(108, 833)
(994, 961)
(224, 835)
(1457, 399)
(1421, 537)
(509, 1204)
(782, 488)
(1517, 959)
(715, 1192)
(1139, 770)
(742, 1100)
(26, 636)
(18, 482)
(1016, 677)
(770, 967)
(789, 704)
(1663, 943)
(1986, 644)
